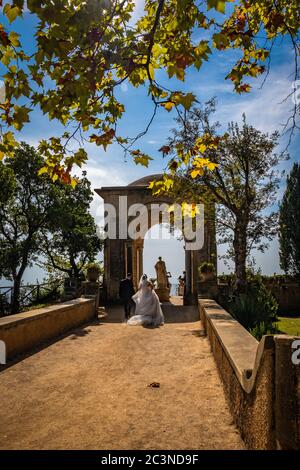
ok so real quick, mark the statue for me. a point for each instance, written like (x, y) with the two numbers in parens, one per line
(162, 281)
(161, 274)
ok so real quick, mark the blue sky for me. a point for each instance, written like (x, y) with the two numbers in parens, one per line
(262, 106)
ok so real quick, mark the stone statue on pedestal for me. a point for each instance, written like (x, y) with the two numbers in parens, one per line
(161, 273)
(162, 282)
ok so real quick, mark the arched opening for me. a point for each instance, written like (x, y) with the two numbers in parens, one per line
(159, 241)
(123, 255)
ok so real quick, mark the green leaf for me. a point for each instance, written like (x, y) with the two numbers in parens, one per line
(21, 115)
(218, 5)
(11, 12)
(220, 41)
(187, 100)
(141, 158)
(14, 38)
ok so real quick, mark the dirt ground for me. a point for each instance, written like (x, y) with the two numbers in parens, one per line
(90, 390)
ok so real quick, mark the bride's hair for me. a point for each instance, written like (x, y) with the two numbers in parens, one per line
(144, 277)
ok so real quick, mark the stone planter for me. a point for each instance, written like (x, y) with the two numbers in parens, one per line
(208, 289)
(92, 275)
(209, 276)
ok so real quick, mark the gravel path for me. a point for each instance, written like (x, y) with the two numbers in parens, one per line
(90, 390)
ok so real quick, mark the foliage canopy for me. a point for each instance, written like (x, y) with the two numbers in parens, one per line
(86, 49)
(243, 184)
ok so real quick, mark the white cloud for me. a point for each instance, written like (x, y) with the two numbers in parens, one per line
(213, 88)
(265, 108)
(107, 175)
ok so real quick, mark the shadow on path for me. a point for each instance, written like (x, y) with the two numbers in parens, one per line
(74, 334)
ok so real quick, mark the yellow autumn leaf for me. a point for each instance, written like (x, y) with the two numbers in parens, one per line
(74, 182)
(195, 173)
(142, 159)
(168, 106)
(211, 166)
(43, 170)
(199, 162)
(201, 148)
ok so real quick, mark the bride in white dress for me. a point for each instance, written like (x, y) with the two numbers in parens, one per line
(148, 310)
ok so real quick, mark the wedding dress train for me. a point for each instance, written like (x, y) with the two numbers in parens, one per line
(148, 310)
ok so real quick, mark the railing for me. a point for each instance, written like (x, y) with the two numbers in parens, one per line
(29, 295)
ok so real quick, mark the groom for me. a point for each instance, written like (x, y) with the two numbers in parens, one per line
(126, 291)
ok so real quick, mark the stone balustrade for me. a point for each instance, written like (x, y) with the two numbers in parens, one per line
(261, 382)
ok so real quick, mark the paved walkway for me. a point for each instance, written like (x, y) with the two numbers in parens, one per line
(90, 390)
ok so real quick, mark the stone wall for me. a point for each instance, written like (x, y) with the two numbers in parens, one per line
(287, 294)
(24, 331)
(264, 403)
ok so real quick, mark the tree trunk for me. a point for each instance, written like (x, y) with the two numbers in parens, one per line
(240, 256)
(15, 301)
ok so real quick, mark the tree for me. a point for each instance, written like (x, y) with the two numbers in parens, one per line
(38, 217)
(289, 224)
(73, 239)
(24, 204)
(243, 182)
(7, 184)
(85, 50)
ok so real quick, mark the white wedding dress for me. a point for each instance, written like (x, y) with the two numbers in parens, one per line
(148, 310)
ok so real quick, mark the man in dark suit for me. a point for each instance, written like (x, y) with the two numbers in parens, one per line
(126, 291)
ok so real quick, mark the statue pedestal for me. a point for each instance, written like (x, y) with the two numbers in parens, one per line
(163, 293)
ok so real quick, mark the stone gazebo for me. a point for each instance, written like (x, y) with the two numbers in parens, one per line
(122, 255)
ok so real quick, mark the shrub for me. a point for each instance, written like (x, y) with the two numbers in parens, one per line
(262, 329)
(256, 309)
(227, 278)
(94, 267)
(93, 271)
(206, 268)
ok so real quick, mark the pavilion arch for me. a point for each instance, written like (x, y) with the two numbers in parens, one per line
(126, 255)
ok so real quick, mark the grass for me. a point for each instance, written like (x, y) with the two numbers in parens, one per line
(289, 325)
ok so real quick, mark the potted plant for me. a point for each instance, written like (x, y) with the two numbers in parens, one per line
(207, 271)
(93, 271)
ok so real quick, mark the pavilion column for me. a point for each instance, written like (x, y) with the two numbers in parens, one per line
(128, 260)
(140, 250)
(114, 266)
(195, 276)
(137, 261)
(134, 266)
(188, 278)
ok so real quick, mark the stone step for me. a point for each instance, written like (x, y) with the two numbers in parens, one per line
(179, 313)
